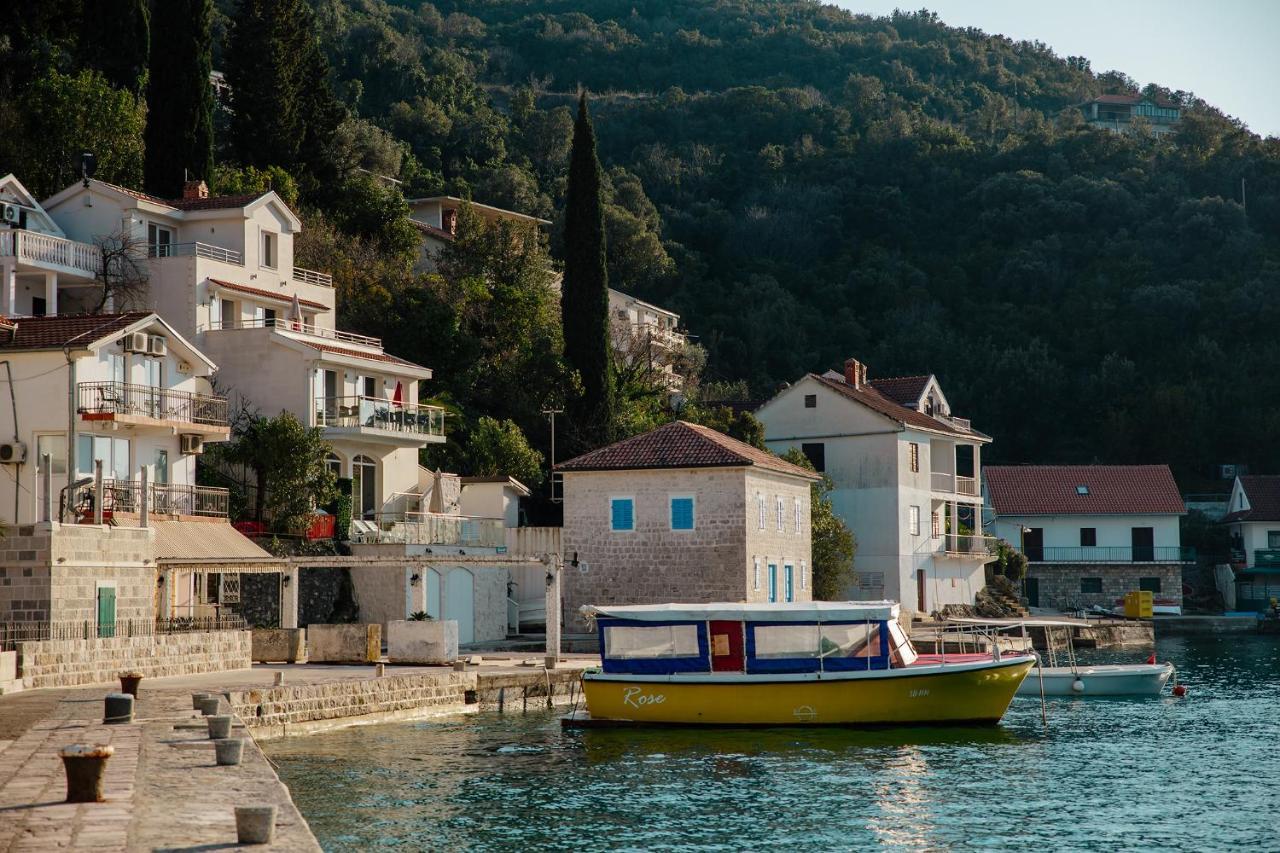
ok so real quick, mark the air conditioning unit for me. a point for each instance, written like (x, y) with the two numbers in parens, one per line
(10, 214)
(156, 345)
(191, 444)
(136, 342)
(13, 453)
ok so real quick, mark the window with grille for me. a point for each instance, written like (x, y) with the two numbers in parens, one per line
(913, 453)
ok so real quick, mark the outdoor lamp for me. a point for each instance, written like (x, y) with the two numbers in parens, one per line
(415, 579)
(285, 580)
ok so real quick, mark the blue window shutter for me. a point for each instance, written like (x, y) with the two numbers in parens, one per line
(623, 514)
(682, 513)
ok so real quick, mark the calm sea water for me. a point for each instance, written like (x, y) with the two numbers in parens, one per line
(1200, 773)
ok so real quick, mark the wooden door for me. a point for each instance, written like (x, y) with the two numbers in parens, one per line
(727, 653)
(920, 591)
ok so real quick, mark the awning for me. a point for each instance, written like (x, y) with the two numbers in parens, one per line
(808, 611)
(210, 545)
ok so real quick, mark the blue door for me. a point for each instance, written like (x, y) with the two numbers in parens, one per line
(788, 578)
(773, 582)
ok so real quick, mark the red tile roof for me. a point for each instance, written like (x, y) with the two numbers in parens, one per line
(369, 356)
(431, 230)
(681, 444)
(904, 390)
(267, 294)
(41, 333)
(217, 202)
(1112, 490)
(872, 398)
(1263, 494)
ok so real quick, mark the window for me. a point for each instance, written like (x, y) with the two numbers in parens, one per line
(1082, 490)
(811, 401)
(215, 313)
(755, 583)
(773, 582)
(159, 241)
(364, 487)
(913, 455)
(268, 249)
(1149, 584)
(622, 514)
(789, 572)
(760, 507)
(802, 568)
(798, 519)
(161, 467)
(268, 317)
(38, 306)
(913, 520)
(658, 641)
(1273, 539)
(816, 453)
(370, 386)
(114, 453)
(229, 315)
(937, 525)
(1091, 585)
(782, 518)
(682, 513)
(1088, 537)
(334, 464)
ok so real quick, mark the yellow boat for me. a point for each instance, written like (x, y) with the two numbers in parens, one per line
(805, 663)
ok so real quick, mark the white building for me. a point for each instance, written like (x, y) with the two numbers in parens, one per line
(906, 477)
(221, 270)
(1253, 520)
(436, 219)
(1091, 533)
(38, 264)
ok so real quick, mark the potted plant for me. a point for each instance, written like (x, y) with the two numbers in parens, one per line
(129, 680)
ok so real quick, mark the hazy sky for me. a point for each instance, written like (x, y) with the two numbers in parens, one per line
(1226, 51)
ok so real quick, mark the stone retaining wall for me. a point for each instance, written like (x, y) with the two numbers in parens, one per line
(70, 663)
(1060, 584)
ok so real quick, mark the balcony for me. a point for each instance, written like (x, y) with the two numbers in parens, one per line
(55, 254)
(429, 528)
(144, 405)
(969, 545)
(298, 327)
(228, 256)
(125, 496)
(374, 417)
(943, 481)
(1266, 558)
(1112, 554)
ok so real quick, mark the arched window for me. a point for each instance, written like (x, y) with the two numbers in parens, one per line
(334, 463)
(364, 487)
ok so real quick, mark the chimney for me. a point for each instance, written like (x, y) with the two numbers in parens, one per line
(855, 373)
(194, 189)
(449, 221)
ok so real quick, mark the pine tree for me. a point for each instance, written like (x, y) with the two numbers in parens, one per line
(584, 303)
(283, 109)
(115, 41)
(179, 97)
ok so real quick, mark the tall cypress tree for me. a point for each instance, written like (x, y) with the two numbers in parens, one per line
(179, 97)
(115, 40)
(584, 303)
(283, 109)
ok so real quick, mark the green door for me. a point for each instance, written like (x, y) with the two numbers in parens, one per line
(1033, 591)
(106, 611)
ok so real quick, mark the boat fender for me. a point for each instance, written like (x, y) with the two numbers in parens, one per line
(1179, 690)
(1077, 686)
(1152, 659)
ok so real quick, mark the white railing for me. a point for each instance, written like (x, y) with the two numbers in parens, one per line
(312, 277)
(967, 486)
(430, 528)
(200, 250)
(380, 414)
(969, 545)
(32, 248)
(298, 327)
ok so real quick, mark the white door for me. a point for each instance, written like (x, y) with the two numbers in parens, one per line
(432, 579)
(460, 603)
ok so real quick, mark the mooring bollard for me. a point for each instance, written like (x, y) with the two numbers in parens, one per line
(228, 751)
(209, 705)
(84, 765)
(279, 678)
(129, 681)
(195, 700)
(379, 670)
(255, 824)
(117, 708)
(219, 726)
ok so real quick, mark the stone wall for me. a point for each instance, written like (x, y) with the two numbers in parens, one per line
(69, 663)
(782, 547)
(324, 593)
(260, 599)
(1060, 582)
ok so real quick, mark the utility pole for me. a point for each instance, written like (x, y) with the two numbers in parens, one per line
(1243, 204)
(551, 413)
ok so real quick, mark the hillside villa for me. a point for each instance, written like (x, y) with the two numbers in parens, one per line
(1253, 519)
(1091, 533)
(906, 473)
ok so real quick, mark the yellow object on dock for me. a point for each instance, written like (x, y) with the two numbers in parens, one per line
(1139, 604)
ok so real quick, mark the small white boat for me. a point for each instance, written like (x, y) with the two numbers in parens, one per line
(1075, 679)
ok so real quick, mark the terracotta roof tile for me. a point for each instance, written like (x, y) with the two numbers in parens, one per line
(875, 400)
(55, 332)
(431, 230)
(354, 353)
(1054, 490)
(904, 390)
(681, 444)
(216, 202)
(267, 294)
(1263, 493)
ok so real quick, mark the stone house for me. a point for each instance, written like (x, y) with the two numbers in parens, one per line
(907, 479)
(1091, 533)
(684, 514)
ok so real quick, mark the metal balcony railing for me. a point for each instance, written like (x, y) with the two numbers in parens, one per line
(199, 250)
(28, 247)
(969, 544)
(312, 277)
(429, 528)
(163, 499)
(943, 481)
(380, 414)
(13, 633)
(300, 328)
(166, 404)
(1112, 554)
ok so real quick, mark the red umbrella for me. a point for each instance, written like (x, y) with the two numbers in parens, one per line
(397, 399)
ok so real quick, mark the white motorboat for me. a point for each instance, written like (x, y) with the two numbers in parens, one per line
(1049, 678)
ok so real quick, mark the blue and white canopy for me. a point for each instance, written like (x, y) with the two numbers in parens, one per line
(799, 611)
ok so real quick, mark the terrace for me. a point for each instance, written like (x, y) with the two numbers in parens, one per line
(229, 256)
(143, 405)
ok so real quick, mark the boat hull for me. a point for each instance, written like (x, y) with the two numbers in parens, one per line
(935, 695)
(1120, 680)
